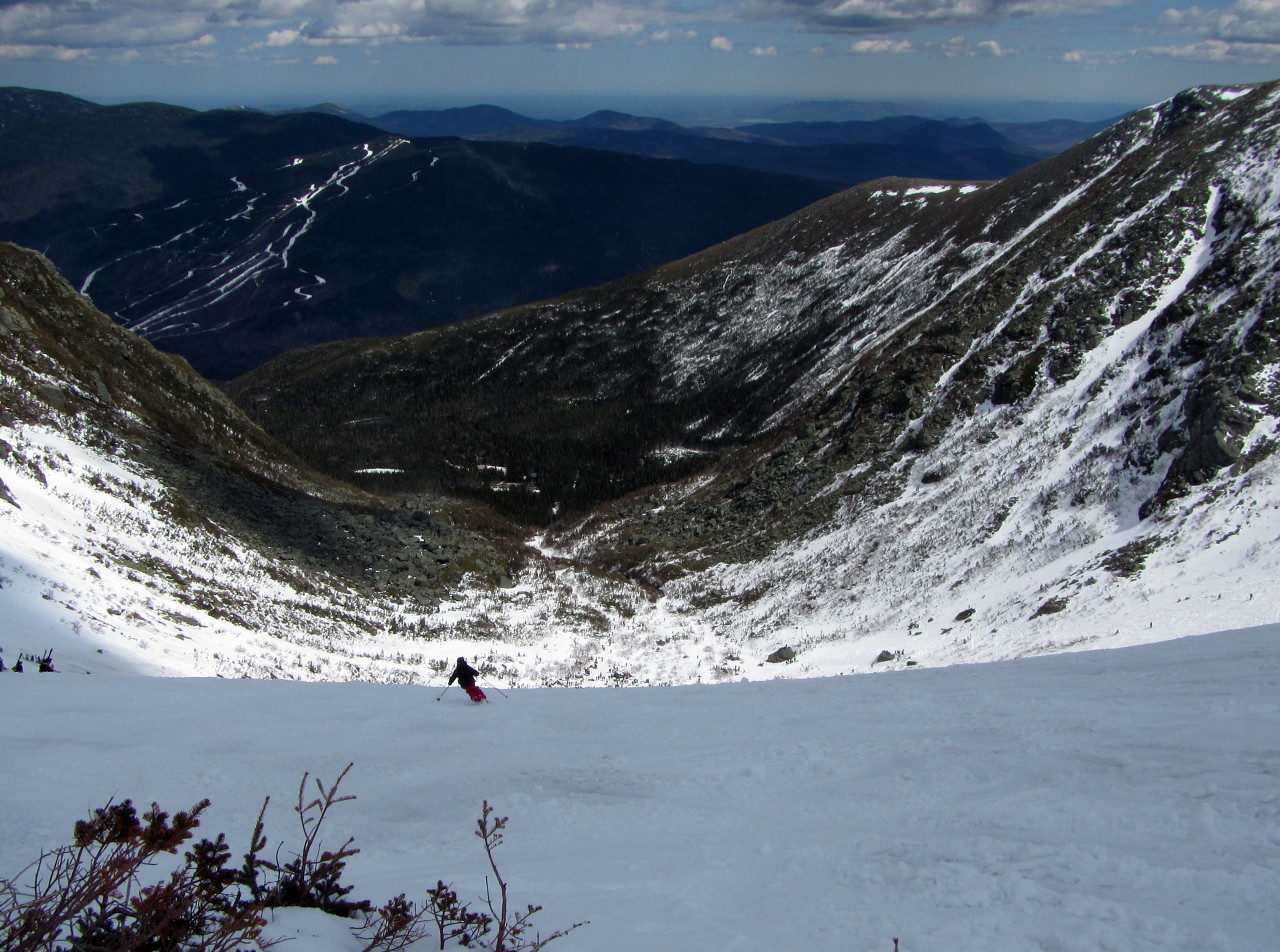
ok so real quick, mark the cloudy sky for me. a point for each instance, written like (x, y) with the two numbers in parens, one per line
(217, 52)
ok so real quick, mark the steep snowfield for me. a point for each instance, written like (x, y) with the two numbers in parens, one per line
(92, 567)
(1014, 510)
(1035, 524)
(1102, 800)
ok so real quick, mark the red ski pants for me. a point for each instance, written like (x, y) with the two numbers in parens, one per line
(474, 692)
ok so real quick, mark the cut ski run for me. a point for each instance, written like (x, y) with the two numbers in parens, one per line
(1117, 799)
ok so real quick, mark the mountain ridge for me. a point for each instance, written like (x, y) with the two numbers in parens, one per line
(845, 153)
(231, 236)
(917, 423)
(920, 321)
(21, 107)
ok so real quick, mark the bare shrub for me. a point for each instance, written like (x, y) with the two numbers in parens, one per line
(511, 927)
(86, 897)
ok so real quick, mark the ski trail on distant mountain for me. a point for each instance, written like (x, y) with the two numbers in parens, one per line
(268, 249)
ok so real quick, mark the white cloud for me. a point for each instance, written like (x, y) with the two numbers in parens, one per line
(861, 16)
(881, 45)
(282, 37)
(563, 22)
(1246, 21)
(959, 46)
(1216, 51)
(28, 51)
(325, 61)
(48, 25)
(1092, 59)
(1245, 31)
(90, 25)
(670, 36)
(115, 26)
(722, 44)
(764, 51)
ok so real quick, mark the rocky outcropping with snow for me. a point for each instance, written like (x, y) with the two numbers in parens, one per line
(903, 401)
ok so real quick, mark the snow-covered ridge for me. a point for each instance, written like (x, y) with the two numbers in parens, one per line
(1041, 499)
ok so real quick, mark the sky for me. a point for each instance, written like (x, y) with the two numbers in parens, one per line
(430, 53)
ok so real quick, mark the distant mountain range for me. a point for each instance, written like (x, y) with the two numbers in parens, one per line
(230, 236)
(1017, 112)
(846, 152)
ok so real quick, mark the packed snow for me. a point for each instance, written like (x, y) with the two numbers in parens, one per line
(1121, 799)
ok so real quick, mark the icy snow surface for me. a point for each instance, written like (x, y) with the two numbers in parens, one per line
(1122, 800)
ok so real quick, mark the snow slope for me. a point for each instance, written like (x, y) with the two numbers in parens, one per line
(92, 569)
(1120, 800)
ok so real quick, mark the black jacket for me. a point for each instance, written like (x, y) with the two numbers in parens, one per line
(464, 674)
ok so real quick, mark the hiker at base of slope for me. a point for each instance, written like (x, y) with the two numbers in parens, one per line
(466, 676)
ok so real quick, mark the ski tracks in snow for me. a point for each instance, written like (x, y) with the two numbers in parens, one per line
(269, 248)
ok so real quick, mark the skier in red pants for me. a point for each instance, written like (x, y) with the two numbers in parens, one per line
(466, 676)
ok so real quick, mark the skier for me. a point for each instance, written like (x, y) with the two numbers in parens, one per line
(466, 677)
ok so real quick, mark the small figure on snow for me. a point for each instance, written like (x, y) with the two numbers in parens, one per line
(466, 677)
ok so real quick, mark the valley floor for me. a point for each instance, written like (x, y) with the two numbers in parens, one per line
(1122, 799)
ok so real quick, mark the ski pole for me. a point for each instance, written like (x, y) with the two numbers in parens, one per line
(441, 694)
(489, 684)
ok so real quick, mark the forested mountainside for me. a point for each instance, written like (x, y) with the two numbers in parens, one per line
(231, 236)
(20, 106)
(880, 315)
